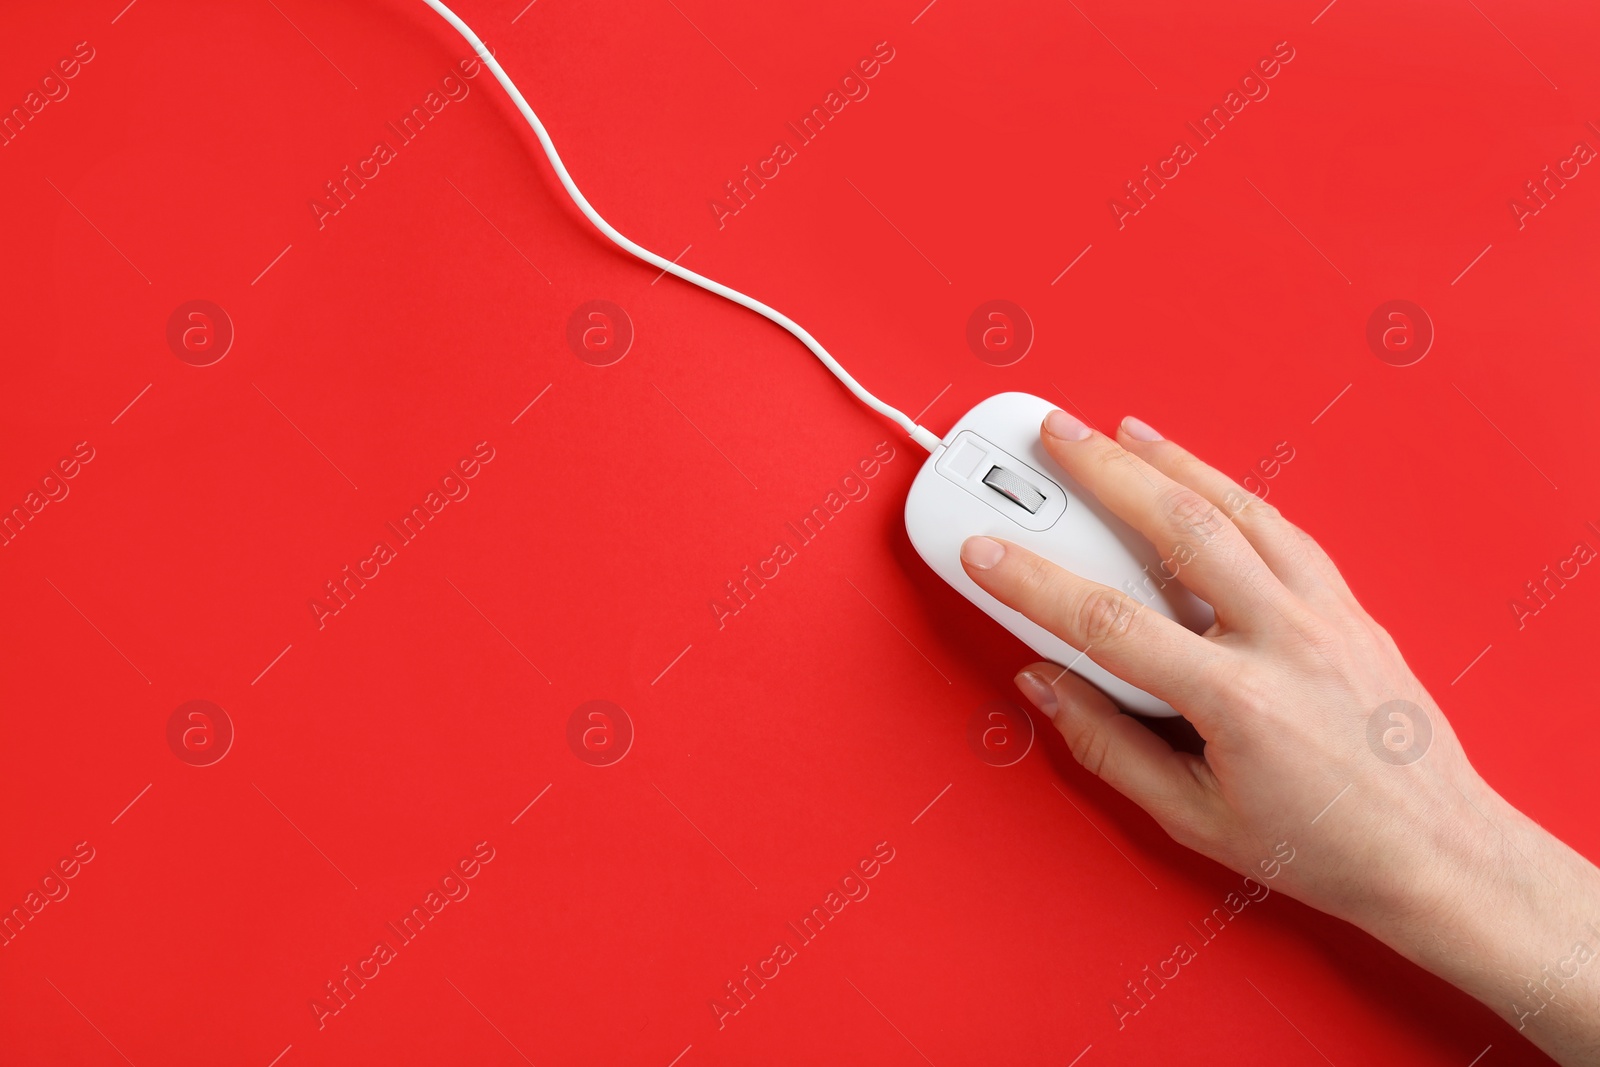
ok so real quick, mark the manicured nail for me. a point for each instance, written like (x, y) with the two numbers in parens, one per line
(1059, 424)
(1140, 430)
(982, 552)
(1039, 692)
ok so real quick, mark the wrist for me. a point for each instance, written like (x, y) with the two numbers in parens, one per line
(1494, 904)
(1457, 876)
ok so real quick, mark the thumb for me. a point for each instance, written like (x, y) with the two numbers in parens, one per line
(1118, 748)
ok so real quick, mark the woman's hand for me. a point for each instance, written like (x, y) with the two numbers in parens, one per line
(1320, 743)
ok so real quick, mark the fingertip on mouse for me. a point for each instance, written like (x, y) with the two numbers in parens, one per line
(982, 553)
(1065, 427)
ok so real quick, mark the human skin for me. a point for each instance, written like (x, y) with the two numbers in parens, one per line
(1392, 829)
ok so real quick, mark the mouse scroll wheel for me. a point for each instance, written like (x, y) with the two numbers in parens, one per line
(1014, 488)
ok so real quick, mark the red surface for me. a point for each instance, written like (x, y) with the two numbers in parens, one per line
(773, 754)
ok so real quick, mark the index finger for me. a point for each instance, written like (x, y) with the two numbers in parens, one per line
(1220, 565)
(1119, 632)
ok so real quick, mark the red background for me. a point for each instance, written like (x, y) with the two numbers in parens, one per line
(777, 751)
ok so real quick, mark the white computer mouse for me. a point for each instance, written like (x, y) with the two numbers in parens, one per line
(992, 476)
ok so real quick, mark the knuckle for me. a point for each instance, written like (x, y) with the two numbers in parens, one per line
(1368, 631)
(1244, 686)
(1384, 637)
(1258, 511)
(1104, 615)
(1090, 748)
(1326, 643)
(1189, 830)
(1035, 576)
(1312, 546)
(1189, 512)
(1113, 462)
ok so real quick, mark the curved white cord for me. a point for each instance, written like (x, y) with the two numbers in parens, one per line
(921, 436)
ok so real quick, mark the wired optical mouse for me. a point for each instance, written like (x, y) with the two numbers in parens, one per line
(992, 476)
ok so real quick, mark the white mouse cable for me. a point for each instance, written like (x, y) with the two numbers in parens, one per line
(926, 438)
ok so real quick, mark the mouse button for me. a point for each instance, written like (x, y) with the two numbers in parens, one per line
(1034, 501)
(965, 458)
(1015, 488)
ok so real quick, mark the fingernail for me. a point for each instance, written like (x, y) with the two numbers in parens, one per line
(982, 552)
(1039, 692)
(1059, 424)
(1140, 430)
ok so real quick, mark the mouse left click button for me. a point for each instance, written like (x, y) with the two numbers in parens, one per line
(1015, 489)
